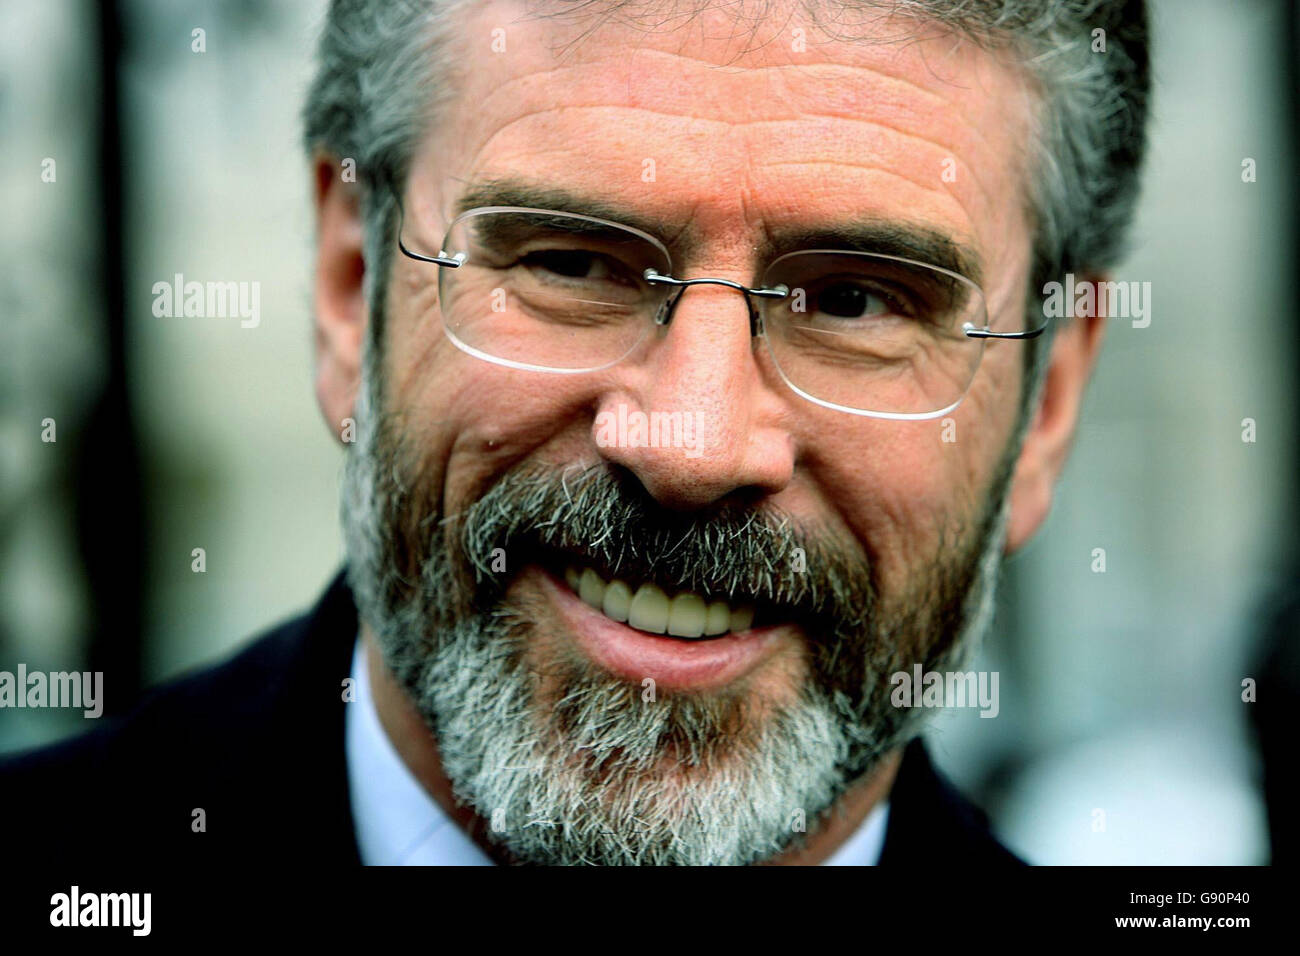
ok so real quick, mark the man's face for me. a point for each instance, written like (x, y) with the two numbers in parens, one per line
(643, 747)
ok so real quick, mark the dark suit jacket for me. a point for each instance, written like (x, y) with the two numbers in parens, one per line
(256, 743)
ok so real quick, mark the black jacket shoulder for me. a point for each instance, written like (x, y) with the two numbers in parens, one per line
(255, 743)
(931, 823)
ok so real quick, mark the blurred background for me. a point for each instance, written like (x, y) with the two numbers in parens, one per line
(130, 155)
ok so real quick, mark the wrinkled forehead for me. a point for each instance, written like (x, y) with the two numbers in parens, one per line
(718, 124)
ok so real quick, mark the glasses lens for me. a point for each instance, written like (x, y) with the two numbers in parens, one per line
(873, 333)
(549, 291)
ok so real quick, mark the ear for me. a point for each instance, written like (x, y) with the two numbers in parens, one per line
(1047, 442)
(341, 310)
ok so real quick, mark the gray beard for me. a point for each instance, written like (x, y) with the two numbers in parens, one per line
(601, 771)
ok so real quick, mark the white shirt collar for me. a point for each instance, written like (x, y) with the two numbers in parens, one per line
(399, 824)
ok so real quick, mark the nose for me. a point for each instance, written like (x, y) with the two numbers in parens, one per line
(695, 418)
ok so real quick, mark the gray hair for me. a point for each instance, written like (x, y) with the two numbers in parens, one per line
(384, 68)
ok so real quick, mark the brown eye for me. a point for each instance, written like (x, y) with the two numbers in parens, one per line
(570, 263)
(849, 300)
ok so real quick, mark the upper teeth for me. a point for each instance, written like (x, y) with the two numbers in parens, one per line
(648, 608)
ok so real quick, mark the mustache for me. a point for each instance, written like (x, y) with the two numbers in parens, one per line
(600, 516)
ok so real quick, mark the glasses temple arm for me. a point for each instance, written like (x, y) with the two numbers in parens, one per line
(452, 262)
(974, 333)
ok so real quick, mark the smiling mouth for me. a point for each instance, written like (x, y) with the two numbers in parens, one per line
(649, 608)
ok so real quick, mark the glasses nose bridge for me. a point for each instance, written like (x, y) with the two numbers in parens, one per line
(678, 288)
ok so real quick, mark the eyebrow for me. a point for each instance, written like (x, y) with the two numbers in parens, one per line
(885, 237)
(509, 192)
(904, 240)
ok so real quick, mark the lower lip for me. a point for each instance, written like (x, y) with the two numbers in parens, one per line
(673, 663)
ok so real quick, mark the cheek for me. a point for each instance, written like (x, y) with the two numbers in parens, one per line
(910, 490)
(468, 420)
(898, 492)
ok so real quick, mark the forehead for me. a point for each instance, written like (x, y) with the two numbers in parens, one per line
(711, 126)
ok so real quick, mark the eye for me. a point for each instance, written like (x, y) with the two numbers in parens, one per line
(851, 300)
(571, 264)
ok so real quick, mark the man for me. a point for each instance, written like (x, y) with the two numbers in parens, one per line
(700, 380)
